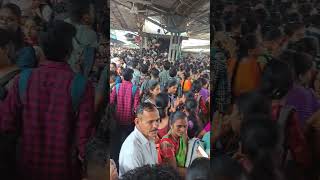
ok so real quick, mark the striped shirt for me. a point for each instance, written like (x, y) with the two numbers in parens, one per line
(124, 105)
(52, 136)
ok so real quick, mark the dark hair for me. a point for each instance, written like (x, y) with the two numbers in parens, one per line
(261, 15)
(195, 71)
(203, 81)
(275, 19)
(78, 9)
(293, 18)
(127, 74)
(206, 76)
(287, 56)
(152, 172)
(13, 8)
(271, 33)
(224, 167)
(196, 86)
(134, 64)
(250, 26)
(276, 79)
(17, 37)
(162, 101)
(155, 72)
(259, 141)
(96, 155)
(251, 103)
(144, 68)
(113, 75)
(290, 28)
(173, 72)
(234, 23)
(37, 20)
(307, 45)
(115, 65)
(250, 41)
(166, 65)
(218, 25)
(181, 67)
(199, 169)
(57, 42)
(186, 74)
(191, 106)
(177, 115)
(5, 38)
(315, 20)
(305, 9)
(151, 85)
(189, 95)
(170, 83)
(146, 106)
(302, 64)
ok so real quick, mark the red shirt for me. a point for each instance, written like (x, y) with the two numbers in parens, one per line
(168, 148)
(125, 106)
(51, 136)
(296, 139)
(203, 107)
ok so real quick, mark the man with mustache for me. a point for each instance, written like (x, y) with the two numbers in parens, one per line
(139, 148)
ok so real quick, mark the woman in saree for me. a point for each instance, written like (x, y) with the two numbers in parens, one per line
(173, 146)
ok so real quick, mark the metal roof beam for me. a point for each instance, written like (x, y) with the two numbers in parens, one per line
(156, 23)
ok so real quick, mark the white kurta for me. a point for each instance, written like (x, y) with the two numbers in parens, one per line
(136, 151)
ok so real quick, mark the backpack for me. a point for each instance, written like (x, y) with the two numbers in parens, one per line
(282, 122)
(5, 80)
(78, 86)
(134, 90)
(26, 58)
(86, 57)
(292, 169)
(192, 154)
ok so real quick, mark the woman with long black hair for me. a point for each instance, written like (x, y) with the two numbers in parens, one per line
(151, 91)
(162, 103)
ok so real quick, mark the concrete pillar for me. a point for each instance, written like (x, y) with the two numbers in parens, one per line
(174, 47)
(170, 47)
(145, 42)
(178, 46)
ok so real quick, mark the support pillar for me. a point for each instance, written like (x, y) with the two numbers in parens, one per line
(145, 42)
(170, 48)
(178, 47)
(174, 45)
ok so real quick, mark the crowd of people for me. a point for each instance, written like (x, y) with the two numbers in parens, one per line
(55, 119)
(159, 107)
(51, 53)
(265, 93)
(67, 112)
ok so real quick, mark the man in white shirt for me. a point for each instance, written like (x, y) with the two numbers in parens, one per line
(139, 148)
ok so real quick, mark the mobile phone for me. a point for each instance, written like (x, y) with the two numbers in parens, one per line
(202, 152)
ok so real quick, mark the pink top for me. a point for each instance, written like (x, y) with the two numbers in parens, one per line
(207, 128)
